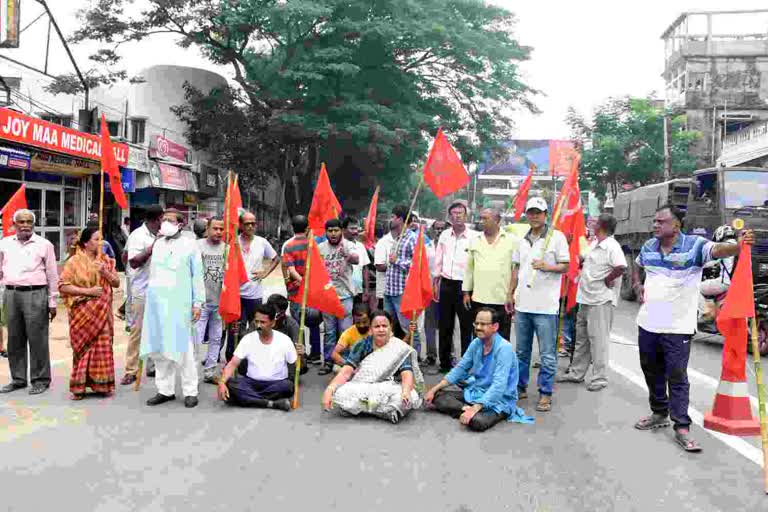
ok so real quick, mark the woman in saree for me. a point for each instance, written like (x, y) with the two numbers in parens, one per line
(86, 287)
(380, 376)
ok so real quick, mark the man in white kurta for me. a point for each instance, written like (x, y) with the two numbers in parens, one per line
(175, 295)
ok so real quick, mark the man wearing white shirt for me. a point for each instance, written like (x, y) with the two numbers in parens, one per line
(451, 263)
(267, 383)
(351, 230)
(598, 295)
(381, 260)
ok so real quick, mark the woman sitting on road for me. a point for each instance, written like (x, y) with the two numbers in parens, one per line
(86, 287)
(366, 382)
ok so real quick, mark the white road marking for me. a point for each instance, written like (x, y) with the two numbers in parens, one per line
(702, 378)
(741, 446)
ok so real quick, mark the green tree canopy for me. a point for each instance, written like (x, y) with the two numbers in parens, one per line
(624, 143)
(360, 84)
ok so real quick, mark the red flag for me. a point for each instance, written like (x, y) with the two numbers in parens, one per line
(732, 318)
(234, 276)
(370, 221)
(18, 201)
(322, 294)
(522, 194)
(325, 206)
(109, 165)
(418, 286)
(578, 236)
(570, 221)
(444, 172)
(234, 204)
(568, 198)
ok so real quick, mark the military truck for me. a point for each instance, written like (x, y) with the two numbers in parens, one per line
(710, 198)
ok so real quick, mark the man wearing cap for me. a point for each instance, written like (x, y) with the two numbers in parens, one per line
(534, 297)
(451, 262)
(489, 269)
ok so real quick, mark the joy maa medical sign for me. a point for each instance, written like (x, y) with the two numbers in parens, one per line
(53, 137)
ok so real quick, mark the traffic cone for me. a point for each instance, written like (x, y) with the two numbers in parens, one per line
(731, 413)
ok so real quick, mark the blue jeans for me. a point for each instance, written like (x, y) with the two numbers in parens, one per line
(335, 326)
(392, 306)
(545, 328)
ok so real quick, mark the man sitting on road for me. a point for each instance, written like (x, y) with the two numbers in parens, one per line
(267, 383)
(489, 371)
(288, 326)
(361, 315)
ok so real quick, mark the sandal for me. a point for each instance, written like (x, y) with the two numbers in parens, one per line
(652, 422)
(686, 443)
(77, 397)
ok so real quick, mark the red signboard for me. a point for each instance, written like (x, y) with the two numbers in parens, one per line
(173, 177)
(165, 148)
(35, 132)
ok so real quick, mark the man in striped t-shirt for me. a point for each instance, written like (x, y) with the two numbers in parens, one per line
(294, 259)
(673, 264)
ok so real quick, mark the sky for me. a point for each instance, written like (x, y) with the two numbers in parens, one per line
(583, 51)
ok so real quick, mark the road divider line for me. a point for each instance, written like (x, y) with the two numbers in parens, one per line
(695, 374)
(742, 447)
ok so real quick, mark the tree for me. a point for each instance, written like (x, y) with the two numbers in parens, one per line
(624, 144)
(372, 79)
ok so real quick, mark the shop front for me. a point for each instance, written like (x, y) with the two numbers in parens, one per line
(169, 186)
(56, 163)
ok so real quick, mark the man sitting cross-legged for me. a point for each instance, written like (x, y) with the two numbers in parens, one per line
(267, 383)
(488, 374)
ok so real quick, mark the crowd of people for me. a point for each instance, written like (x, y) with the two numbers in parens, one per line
(483, 280)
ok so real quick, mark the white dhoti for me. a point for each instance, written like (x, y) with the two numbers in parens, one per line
(166, 368)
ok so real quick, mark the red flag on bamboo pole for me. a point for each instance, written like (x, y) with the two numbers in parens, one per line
(325, 206)
(417, 294)
(321, 294)
(370, 221)
(570, 221)
(522, 194)
(234, 276)
(109, 165)
(444, 172)
(732, 319)
(234, 203)
(18, 201)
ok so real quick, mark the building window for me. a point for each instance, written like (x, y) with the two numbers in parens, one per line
(62, 120)
(138, 128)
(114, 128)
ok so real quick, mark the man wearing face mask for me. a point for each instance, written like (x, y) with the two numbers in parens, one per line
(175, 295)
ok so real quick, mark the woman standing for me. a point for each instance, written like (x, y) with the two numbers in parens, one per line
(368, 381)
(86, 287)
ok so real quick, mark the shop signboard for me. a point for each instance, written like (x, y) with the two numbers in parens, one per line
(50, 162)
(35, 132)
(517, 157)
(15, 159)
(160, 147)
(138, 160)
(128, 180)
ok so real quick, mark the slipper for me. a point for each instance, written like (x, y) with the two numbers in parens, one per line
(686, 443)
(4, 353)
(652, 422)
(76, 397)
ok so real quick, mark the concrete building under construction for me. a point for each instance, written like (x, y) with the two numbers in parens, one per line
(716, 72)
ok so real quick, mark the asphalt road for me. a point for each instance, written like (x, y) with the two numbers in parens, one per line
(118, 454)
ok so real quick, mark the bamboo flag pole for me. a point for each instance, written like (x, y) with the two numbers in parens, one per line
(555, 218)
(561, 317)
(414, 314)
(302, 321)
(408, 215)
(761, 401)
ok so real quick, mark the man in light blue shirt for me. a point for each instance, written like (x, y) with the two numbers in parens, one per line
(488, 374)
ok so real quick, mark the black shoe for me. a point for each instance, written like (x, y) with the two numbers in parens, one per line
(325, 370)
(160, 399)
(314, 359)
(12, 387)
(4, 353)
(190, 402)
(38, 388)
(151, 374)
(283, 404)
(431, 361)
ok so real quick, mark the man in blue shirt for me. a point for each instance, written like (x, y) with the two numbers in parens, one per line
(488, 374)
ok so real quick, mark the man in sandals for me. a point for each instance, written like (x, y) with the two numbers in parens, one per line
(673, 264)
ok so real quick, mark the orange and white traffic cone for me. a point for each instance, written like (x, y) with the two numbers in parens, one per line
(732, 413)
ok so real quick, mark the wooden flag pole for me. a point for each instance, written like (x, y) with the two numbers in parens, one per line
(303, 319)
(408, 216)
(555, 218)
(414, 314)
(761, 401)
(561, 317)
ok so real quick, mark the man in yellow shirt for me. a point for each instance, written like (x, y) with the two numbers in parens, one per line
(361, 316)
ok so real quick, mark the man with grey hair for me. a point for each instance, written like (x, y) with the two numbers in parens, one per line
(598, 295)
(30, 275)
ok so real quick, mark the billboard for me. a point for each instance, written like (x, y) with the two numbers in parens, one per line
(9, 23)
(515, 157)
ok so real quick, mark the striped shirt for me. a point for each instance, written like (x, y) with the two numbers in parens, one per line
(672, 284)
(397, 273)
(295, 255)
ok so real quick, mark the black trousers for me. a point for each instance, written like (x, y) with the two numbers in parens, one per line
(450, 306)
(451, 402)
(28, 334)
(249, 392)
(506, 320)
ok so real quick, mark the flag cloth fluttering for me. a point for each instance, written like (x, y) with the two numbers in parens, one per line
(444, 172)
(418, 286)
(370, 221)
(522, 194)
(234, 270)
(18, 201)
(109, 165)
(325, 206)
(234, 204)
(732, 318)
(570, 221)
(321, 294)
